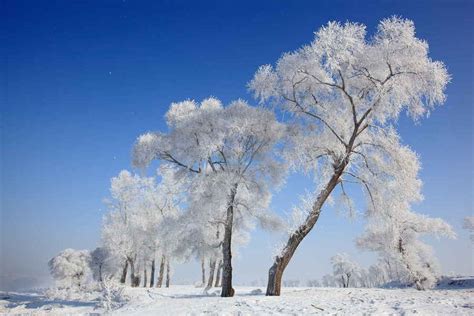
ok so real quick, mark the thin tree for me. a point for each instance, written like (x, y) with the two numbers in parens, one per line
(159, 282)
(152, 274)
(218, 274)
(168, 275)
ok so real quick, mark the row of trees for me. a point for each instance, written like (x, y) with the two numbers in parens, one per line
(218, 165)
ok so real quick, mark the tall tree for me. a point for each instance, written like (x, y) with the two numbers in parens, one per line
(227, 153)
(345, 93)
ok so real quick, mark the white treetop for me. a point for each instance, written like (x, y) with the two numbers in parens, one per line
(345, 92)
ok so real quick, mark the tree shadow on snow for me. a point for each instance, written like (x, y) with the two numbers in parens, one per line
(216, 293)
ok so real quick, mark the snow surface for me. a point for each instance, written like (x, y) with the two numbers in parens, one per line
(188, 300)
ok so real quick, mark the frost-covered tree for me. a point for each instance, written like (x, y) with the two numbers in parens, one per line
(362, 278)
(345, 92)
(344, 269)
(328, 281)
(102, 264)
(226, 153)
(396, 235)
(469, 225)
(124, 231)
(70, 268)
(378, 274)
(313, 283)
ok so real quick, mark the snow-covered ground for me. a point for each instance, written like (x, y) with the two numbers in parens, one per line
(188, 300)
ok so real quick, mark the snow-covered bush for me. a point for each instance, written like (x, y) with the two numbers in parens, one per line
(70, 268)
(112, 295)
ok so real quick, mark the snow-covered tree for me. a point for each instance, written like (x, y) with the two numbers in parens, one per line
(227, 154)
(469, 225)
(396, 235)
(70, 268)
(344, 269)
(313, 283)
(345, 92)
(378, 274)
(124, 231)
(328, 281)
(102, 264)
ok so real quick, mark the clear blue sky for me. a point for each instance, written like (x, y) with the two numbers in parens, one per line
(81, 79)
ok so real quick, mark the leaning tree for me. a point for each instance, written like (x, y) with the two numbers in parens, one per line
(345, 92)
(227, 154)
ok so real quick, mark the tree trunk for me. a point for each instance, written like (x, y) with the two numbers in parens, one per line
(281, 261)
(134, 278)
(227, 290)
(144, 274)
(212, 268)
(123, 278)
(218, 274)
(168, 273)
(132, 273)
(203, 271)
(152, 276)
(162, 271)
(100, 273)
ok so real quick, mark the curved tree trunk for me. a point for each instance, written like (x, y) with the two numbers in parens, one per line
(281, 261)
(152, 276)
(123, 278)
(218, 274)
(227, 290)
(159, 283)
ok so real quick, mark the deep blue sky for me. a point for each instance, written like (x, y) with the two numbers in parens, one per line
(80, 80)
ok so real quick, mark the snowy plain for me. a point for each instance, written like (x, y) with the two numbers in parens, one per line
(189, 300)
